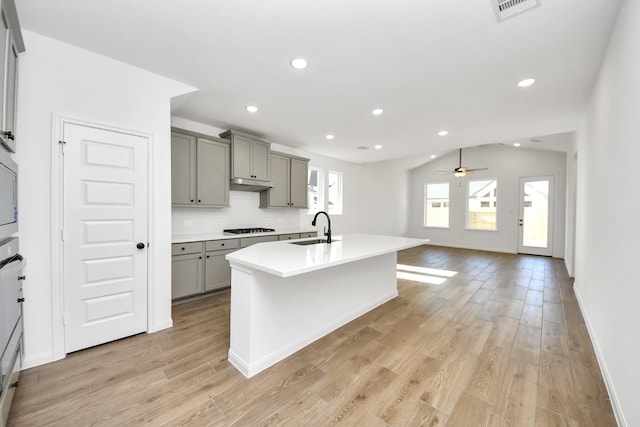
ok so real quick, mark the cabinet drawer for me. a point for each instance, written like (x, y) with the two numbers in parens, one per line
(309, 234)
(248, 241)
(290, 236)
(186, 248)
(216, 245)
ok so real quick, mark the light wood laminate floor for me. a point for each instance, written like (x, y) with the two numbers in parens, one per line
(500, 343)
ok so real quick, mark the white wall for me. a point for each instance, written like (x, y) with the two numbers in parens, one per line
(506, 164)
(374, 198)
(608, 207)
(56, 78)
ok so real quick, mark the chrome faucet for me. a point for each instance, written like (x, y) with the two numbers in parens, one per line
(327, 232)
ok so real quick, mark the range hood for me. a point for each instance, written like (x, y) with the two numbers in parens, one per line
(244, 184)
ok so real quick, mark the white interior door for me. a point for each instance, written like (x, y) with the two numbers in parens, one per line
(104, 235)
(536, 216)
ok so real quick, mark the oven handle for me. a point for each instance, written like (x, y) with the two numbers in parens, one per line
(10, 266)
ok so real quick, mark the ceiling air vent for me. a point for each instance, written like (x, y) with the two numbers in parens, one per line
(363, 147)
(508, 8)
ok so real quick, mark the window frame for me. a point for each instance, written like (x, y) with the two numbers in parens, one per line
(493, 204)
(447, 204)
(320, 190)
(338, 208)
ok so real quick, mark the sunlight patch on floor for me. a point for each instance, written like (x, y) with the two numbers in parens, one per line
(432, 276)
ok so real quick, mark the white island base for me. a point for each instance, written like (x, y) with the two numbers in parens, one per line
(273, 317)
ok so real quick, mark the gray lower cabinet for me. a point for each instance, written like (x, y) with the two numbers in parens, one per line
(200, 171)
(290, 236)
(199, 267)
(187, 269)
(217, 269)
(248, 241)
(186, 275)
(289, 177)
(308, 234)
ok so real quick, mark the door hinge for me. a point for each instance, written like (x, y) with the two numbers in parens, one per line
(14, 385)
(62, 144)
(62, 234)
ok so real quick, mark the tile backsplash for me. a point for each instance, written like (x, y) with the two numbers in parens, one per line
(244, 211)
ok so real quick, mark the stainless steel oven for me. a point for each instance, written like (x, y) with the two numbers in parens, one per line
(8, 195)
(11, 264)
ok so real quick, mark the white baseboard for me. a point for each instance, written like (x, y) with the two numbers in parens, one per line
(33, 360)
(163, 324)
(617, 410)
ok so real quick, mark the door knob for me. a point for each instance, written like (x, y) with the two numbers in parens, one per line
(140, 245)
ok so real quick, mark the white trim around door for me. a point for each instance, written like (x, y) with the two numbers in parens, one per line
(57, 222)
(535, 215)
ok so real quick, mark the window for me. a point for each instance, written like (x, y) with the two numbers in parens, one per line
(436, 210)
(315, 190)
(335, 193)
(325, 191)
(482, 204)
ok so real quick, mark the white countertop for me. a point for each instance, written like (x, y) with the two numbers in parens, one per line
(285, 259)
(201, 237)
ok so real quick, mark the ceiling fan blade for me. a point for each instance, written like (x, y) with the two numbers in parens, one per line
(477, 169)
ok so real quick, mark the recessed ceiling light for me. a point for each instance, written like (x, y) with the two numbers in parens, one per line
(252, 109)
(526, 82)
(433, 156)
(299, 63)
(516, 144)
(329, 137)
(377, 147)
(377, 111)
(443, 133)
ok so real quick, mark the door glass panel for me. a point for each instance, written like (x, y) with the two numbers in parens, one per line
(536, 214)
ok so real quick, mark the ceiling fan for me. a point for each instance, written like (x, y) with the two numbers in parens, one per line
(461, 171)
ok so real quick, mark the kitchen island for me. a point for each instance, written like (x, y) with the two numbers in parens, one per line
(285, 295)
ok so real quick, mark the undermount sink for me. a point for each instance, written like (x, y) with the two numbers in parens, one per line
(311, 242)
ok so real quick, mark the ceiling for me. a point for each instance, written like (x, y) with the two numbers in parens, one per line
(430, 64)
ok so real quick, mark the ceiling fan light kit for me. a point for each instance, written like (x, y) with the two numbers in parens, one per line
(462, 171)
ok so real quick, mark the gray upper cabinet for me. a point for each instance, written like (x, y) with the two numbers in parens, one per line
(11, 44)
(289, 177)
(299, 179)
(199, 171)
(249, 156)
(183, 166)
(278, 196)
(212, 178)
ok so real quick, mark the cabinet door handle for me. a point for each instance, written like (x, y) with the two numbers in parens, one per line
(221, 244)
(207, 256)
(20, 299)
(10, 135)
(183, 249)
(199, 257)
(140, 245)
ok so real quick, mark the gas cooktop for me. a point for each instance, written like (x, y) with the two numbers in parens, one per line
(248, 230)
